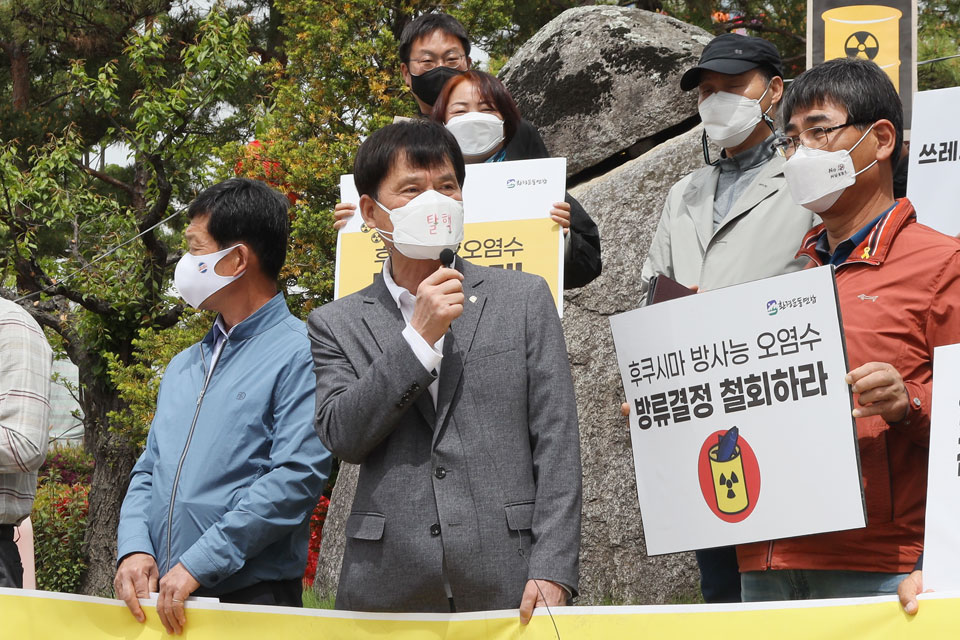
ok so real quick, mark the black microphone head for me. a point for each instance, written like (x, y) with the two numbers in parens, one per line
(446, 257)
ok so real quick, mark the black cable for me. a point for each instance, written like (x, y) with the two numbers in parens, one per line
(537, 584)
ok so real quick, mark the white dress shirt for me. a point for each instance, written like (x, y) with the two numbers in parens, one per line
(429, 356)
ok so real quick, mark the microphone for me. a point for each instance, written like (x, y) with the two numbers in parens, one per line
(446, 257)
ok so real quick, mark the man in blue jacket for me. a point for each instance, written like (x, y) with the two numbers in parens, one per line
(218, 503)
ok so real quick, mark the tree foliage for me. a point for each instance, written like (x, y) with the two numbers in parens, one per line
(938, 28)
(341, 81)
(162, 97)
(784, 22)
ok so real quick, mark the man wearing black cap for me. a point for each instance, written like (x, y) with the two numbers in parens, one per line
(733, 220)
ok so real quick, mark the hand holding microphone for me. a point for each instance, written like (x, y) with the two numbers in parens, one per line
(439, 300)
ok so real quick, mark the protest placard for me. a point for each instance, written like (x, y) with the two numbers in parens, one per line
(507, 225)
(941, 538)
(739, 414)
(884, 31)
(932, 186)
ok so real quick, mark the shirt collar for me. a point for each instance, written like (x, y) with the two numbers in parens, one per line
(274, 311)
(874, 243)
(499, 156)
(845, 248)
(748, 158)
(396, 291)
(220, 330)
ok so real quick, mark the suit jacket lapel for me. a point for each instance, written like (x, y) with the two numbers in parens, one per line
(698, 197)
(760, 189)
(385, 322)
(457, 344)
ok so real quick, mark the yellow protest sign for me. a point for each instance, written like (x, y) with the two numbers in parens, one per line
(38, 615)
(884, 31)
(507, 225)
(522, 245)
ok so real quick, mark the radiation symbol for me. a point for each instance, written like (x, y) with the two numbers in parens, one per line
(861, 45)
(728, 483)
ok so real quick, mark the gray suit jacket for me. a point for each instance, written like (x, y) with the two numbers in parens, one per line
(462, 490)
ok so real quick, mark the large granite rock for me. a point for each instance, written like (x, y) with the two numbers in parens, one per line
(626, 204)
(599, 80)
(333, 537)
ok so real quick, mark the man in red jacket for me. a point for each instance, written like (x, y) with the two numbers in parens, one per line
(899, 290)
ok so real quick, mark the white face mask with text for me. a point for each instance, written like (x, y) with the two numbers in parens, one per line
(818, 178)
(426, 225)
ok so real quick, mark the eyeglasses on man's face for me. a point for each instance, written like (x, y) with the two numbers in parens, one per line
(452, 60)
(812, 138)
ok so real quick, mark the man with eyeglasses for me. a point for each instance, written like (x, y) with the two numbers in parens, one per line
(898, 286)
(435, 47)
(732, 220)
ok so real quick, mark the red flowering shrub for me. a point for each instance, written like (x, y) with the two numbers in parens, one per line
(66, 465)
(59, 519)
(316, 530)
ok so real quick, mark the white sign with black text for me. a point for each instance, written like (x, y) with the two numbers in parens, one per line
(932, 183)
(739, 414)
(941, 542)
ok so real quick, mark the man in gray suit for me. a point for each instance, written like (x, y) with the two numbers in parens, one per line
(451, 388)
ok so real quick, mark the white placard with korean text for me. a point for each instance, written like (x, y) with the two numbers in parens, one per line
(507, 224)
(941, 542)
(933, 182)
(739, 414)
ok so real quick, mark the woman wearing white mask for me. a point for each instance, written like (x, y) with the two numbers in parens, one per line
(482, 115)
(484, 119)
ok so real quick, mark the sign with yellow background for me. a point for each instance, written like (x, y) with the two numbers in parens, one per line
(507, 225)
(883, 31)
(38, 615)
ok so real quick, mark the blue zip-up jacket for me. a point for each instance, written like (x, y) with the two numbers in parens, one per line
(237, 511)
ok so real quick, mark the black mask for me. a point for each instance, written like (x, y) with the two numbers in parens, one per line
(428, 85)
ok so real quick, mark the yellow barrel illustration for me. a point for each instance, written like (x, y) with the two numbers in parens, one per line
(866, 31)
(729, 482)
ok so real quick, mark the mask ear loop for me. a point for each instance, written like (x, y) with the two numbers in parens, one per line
(856, 173)
(706, 151)
(766, 118)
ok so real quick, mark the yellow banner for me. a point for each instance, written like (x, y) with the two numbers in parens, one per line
(530, 245)
(37, 615)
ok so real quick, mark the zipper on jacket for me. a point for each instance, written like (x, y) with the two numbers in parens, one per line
(769, 564)
(186, 446)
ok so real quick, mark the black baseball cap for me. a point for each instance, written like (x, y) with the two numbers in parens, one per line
(732, 54)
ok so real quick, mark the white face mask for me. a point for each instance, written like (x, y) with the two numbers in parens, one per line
(426, 226)
(818, 178)
(729, 118)
(196, 279)
(477, 133)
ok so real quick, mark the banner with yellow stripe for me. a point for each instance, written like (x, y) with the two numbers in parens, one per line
(39, 615)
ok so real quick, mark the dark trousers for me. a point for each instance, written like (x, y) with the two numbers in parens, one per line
(11, 571)
(719, 574)
(281, 593)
